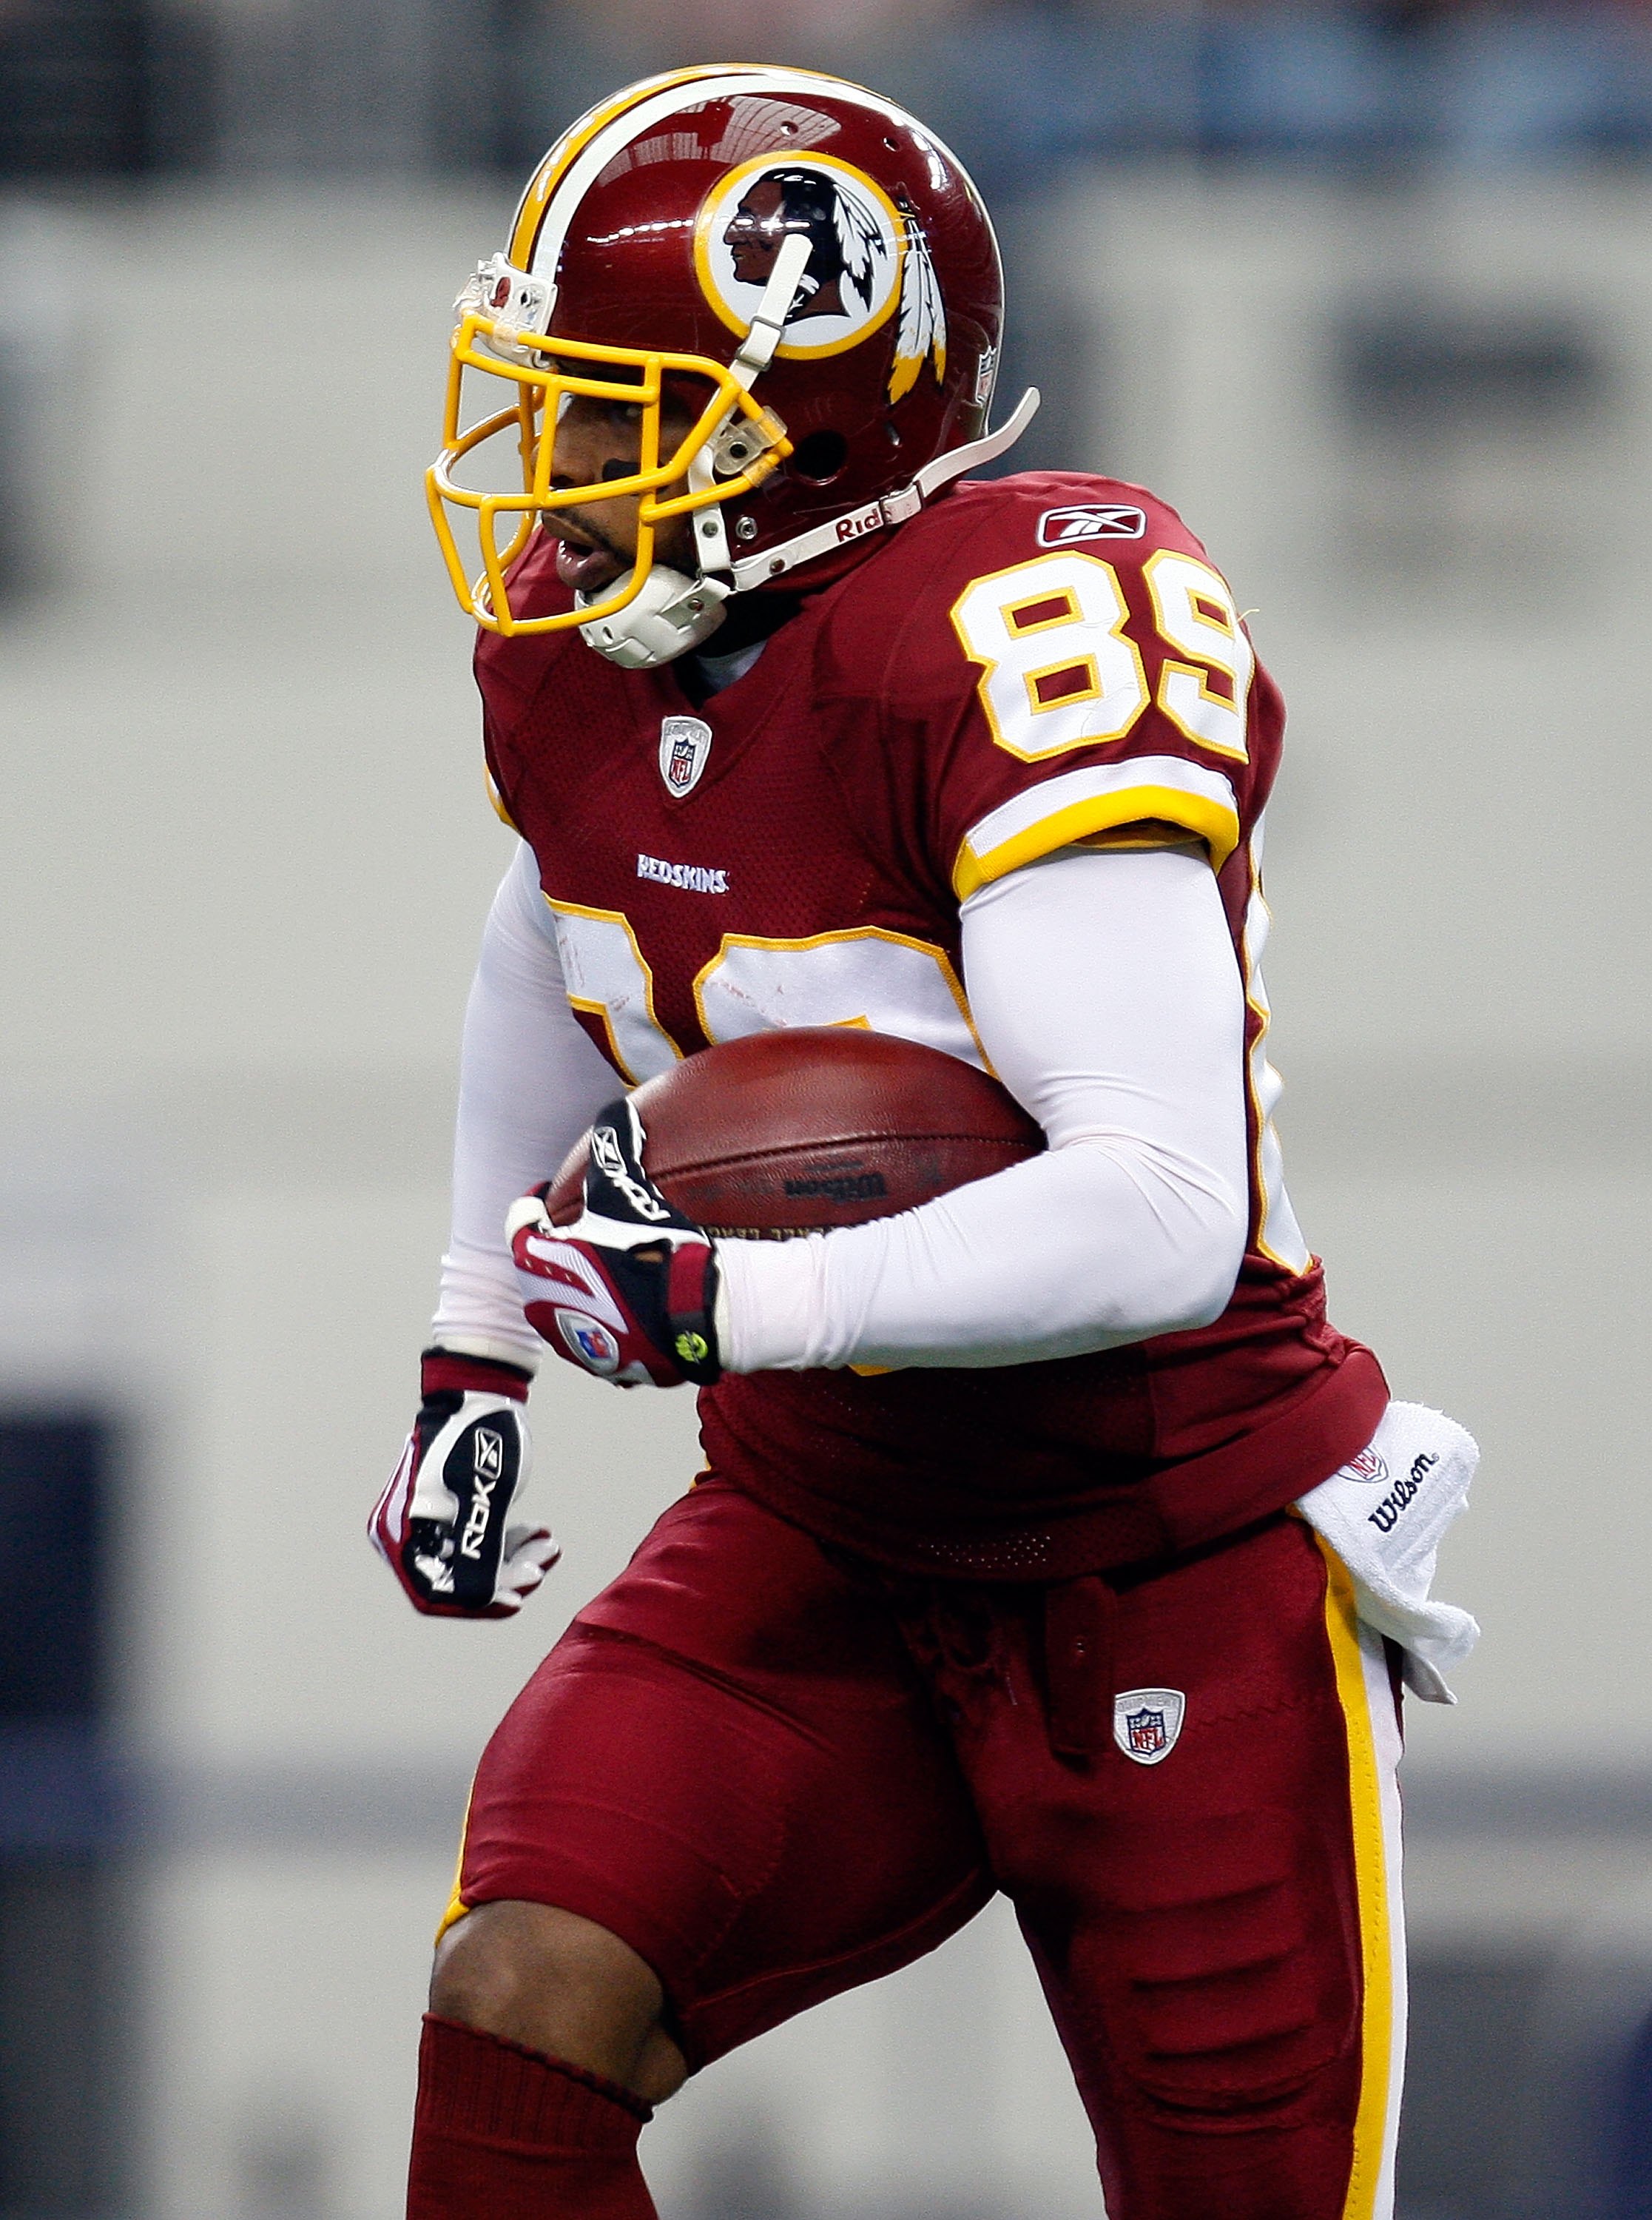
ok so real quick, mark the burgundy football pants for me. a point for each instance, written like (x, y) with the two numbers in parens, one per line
(777, 1773)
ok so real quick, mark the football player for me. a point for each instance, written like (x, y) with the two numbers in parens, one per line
(1052, 1540)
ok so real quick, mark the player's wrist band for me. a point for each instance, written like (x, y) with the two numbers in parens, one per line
(450, 1369)
(691, 1311)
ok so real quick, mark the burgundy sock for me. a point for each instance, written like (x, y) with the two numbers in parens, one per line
(502, 2133)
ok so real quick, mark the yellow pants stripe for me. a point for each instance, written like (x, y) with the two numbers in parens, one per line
(1373, 1757)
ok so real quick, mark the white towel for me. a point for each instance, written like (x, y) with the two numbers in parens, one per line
(1384, 1513)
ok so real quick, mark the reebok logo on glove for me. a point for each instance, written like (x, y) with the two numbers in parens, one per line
(439, 1524)
(490, 1467)
(644, 1199)
(628, 1291)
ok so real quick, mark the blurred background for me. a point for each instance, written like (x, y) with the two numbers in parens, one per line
(1367, 291)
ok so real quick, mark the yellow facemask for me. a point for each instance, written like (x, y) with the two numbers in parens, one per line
(731, 446)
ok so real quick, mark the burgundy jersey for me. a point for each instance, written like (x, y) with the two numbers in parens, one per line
(1029, 665)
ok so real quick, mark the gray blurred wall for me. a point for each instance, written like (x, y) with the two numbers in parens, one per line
(249, 855)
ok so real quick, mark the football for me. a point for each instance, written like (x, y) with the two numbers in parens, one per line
(814, 1126)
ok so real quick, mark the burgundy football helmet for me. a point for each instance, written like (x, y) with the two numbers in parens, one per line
(799, 259)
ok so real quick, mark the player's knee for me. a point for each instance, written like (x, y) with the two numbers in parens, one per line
(535, 1974)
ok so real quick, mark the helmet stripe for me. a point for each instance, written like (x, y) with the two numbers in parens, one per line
(611, 133)
(554, 168)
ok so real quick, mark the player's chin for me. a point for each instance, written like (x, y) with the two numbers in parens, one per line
(675, 549)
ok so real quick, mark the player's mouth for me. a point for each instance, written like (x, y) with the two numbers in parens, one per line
(585, 564)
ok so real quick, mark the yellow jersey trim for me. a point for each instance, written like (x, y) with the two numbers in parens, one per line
(841, 935)
(457, 1907)
(498, 801)
(1209, 821)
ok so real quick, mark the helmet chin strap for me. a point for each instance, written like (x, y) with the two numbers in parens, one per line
(891, 509)
(673, 614)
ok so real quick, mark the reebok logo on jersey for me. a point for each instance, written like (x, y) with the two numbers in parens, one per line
(698, 878)
(1093, 520)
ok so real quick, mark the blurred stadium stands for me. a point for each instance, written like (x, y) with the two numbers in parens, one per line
(1368, 290)
(124, 88)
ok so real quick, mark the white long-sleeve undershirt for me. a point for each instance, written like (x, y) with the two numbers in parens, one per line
(531, 1080)
(1106, 992)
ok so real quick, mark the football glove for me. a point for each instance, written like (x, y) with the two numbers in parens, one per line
(628, 1289)
(441, 1525)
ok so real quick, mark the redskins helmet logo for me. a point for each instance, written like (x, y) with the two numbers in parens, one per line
(868, 260)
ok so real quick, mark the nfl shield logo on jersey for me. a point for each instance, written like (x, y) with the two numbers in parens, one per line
(684, 746)
(1146, 1722)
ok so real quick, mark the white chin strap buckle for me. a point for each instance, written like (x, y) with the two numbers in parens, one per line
(672, 615)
